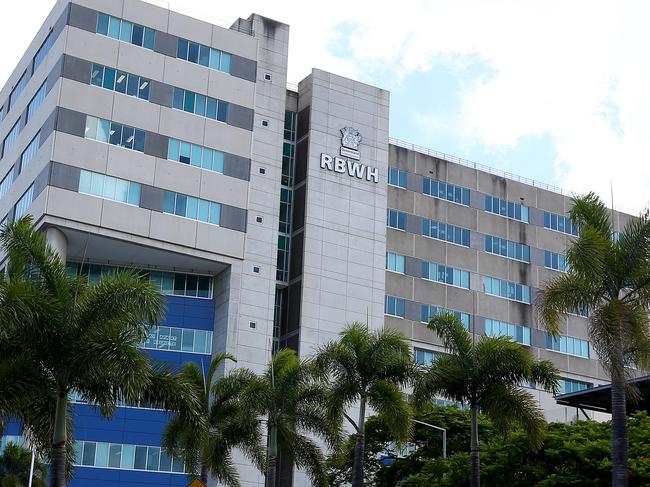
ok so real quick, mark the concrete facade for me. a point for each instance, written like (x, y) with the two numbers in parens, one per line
(191, 160)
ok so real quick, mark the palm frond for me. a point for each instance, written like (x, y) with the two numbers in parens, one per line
(391, 404)
(452, 333)
(590, 211)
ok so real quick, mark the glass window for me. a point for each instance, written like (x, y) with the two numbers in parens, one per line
(179, 97)
(102, 24)
(18, 90)
(153, 458)
(127, 31)
(193, 53)
(222, 111)
(101, 455)
(225, 62)
(10, 138)
(204, 55)
(36, 102)
(138, 35)
(149, 38)
(114, 456)
(211, 110)
(140, 458)
(188, 103)
(143, 88)
(181, 51)
(88, 457)
(128, 456)
(114, 28)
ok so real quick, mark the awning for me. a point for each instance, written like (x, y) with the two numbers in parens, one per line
(600, 398)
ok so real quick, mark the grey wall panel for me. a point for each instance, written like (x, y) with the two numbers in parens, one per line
(412, 266)
(414, 182)
(476, 240)
(65, 177)
(537, 257)
(61, 22)
(151, 198)
(538, 338)
(412, 310)
(476, 200)
(233, 218)
(71, 122)
(241, 117)
(161, 93)
(55, 74)
(478, 325)
(49, 125)
(166, 44)
(156, 145)
(82, 18)
(77, 69)
(236, 166)
(242, 67)
(536, 216)
(413, 224)
(42, 180)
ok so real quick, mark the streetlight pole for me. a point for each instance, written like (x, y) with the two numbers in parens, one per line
(444, 435)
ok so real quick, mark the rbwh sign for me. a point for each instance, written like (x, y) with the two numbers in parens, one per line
(350, 140)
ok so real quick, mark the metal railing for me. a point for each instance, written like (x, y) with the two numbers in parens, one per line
(477, 166)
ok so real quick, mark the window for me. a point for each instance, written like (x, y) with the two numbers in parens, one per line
(520, 334)
(568, 345)
(191, 207)
(584, 312)
(29, 153)
(10, 138)
(507, 248)
(396, 219)
(290, 122)
(570, 385)
(202, 105)
(203, 55)
(397, 177)
(443, 231)
(286, 196)
(555, 261)
(394, 306)
(43, 50)
(18, 90)
(506, 208)
(23, 203)
(288, 158)
(425, 357)
(120, 81)
(560, 223)
(395, 262)
(36, 101)
(178, 340)
(445, 274)
(506, 289)
(115, 133)
(5, 184)
(126, 457)
(282, 267)
(446, 191)
(195, 155)
(126, 31)
(429, 311)
(109, 188)
(190, 285)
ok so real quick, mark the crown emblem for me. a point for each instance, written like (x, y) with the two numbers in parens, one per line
(350, 138)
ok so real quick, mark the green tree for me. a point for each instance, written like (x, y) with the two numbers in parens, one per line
(291, 395)
(609, 274)
(206, 447)
(486, 374)
(369, 368)
(63, 334)
(15, 463)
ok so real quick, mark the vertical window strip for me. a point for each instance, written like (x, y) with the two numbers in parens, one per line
(43, 50)
(202, 105)
(120, 81)
(193, 208)
(506, 208)
(6, 183)
(126, 31)
(446, 191)
(18, 90)
(36, 101)
(518, 333)
(10, 138)
(195, 155)
(24, 203)
(29, 153)
(507, 248)
(109, 187)
(203, 55)
(446, 232)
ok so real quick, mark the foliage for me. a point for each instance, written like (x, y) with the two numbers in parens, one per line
(15, 462)
(575, 454)
(206, 446)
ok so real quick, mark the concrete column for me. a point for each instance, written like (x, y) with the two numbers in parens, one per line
(58, 241)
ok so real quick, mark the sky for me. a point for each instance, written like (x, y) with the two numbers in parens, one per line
(556, 91)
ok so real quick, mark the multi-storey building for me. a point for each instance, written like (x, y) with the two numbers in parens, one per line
(140, 137)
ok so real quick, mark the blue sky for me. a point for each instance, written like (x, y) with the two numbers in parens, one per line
(555, 91)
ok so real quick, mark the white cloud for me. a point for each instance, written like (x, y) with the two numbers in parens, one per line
(578, 70)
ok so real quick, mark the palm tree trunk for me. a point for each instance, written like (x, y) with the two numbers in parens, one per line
(475, 480)
(273, 457)
(360, 447)
(58, 442)
(204, 473)
(619, 432)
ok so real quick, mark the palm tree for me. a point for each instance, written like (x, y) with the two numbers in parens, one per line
(231, 423)
(369, 368)
(71, 335)
(292, 395)
(608, 273)
(486, 374)
(15, 463)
